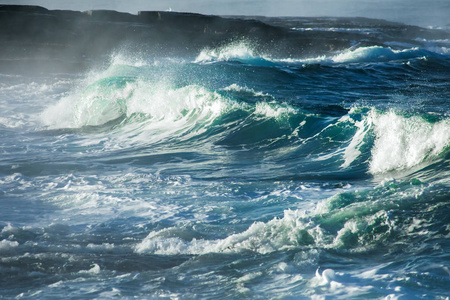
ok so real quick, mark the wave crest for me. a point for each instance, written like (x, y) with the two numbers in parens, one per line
(377, 54)
(348, 221)
(396, 141)
(241, 52)
(112, 97)
(404, 142)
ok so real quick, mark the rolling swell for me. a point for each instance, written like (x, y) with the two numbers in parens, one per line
(205, 157)
(152, 104)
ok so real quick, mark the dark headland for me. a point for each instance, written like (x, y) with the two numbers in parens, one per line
(77, 38)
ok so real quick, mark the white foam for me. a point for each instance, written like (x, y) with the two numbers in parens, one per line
(327, 276)
(60, 115)
(235, 51)
(92, 271)
(102, 247)
(6, 245)
(86, 198)
(113, 293)
(370, 54)
(365, 31)
(19, 102)
(278, 234)
(375, 54)
(242, 89)
(14, 121)
(352, 151)
(8, 227)
(121, 59)
(441, 46)
(153, 110)
(330, 224)
(274, 110)
(157, 101)
(403, 142)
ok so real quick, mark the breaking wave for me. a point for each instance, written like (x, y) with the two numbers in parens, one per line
(244, 52)
(348, 221)
(153, 110)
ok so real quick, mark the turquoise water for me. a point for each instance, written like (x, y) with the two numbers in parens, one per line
(232, 174)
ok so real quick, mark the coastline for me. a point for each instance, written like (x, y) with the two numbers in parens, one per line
(71, 39)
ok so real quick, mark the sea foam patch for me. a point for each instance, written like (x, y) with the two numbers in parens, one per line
(403, 142)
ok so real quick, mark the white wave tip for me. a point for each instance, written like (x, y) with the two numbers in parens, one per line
(94, 270)
(327, 276)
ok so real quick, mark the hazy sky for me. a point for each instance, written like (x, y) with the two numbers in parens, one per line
(417, 12)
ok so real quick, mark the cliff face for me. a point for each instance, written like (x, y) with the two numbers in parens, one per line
(94, 33)
(76, 38)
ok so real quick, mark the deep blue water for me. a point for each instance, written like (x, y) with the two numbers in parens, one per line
(231, 174)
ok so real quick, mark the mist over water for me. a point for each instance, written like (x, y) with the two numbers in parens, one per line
(160, 160)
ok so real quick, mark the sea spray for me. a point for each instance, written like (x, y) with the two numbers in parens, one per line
(223, 169)
(403, 142)
(348, 221)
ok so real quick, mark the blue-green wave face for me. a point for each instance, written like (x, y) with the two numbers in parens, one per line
(231, 174)
(197, 106)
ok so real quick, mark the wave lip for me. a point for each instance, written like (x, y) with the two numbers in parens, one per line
(396, 142)
(241, 52)
(157, 106)
(153, 109)
(378, 54)
(233, 51)
(404, 142)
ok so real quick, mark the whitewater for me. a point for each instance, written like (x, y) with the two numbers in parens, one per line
(230, 171)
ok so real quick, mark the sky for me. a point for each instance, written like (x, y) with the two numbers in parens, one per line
(414, 12)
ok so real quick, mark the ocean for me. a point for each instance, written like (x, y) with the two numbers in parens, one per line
(234, 166)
